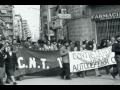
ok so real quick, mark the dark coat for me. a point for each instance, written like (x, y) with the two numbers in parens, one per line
(11, 61)
(116, 48)
(1, 59)
(2, 54)
(89, 46)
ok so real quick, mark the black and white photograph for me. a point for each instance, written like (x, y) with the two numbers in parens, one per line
(59, 44)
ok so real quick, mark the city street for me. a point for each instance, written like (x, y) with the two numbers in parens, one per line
(91, 80)
(44, 41)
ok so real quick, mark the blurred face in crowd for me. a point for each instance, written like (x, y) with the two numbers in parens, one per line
(66, 44)
(0, 37)
(36, 44)
(7, 44)
(8, 49)
(86, 41)
(118, 39)
(93, 41)
(48, 42)
(14, 42)
(112, 39)
(107, 41)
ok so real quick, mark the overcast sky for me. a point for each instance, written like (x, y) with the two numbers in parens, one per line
(31, 13)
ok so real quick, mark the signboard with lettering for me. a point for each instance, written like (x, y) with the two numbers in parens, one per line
(64, 16)
(106, 16)
(57, 24)
(50, 32)
(33, 61)
(87, 60)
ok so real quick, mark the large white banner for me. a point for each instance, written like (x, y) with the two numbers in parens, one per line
(87, 60)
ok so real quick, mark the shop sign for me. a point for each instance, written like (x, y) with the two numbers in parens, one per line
(107, 16)
(64, 16)
(50, 32)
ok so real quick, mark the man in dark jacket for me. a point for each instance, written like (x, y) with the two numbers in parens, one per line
(116, 49)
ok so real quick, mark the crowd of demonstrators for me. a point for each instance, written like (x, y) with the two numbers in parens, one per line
(42, 45)
(8, 62)
(86, 45)
(66, 46)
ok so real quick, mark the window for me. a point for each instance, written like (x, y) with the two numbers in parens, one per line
(53, 11)
(8, 25)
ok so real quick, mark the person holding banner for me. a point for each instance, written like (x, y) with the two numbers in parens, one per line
(64, 52)
(116, 49)
(95, 48)
(92, 46)
(77, 47)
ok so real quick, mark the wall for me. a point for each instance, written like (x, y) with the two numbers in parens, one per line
(80, 26)
(8, 17)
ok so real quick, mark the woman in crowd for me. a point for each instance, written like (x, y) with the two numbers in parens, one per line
(11, 64)
(84, 43)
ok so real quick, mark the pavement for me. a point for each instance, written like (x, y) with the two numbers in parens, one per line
(89, 80)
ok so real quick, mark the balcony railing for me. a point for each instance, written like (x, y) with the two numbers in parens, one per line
(9, 21)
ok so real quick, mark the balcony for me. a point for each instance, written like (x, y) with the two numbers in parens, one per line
(6, 15)
(9, 28)
(9, 21)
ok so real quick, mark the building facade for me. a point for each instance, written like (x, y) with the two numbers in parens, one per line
(26, 30)
(46, 13)
(44, 21)
(18, 27)
(2, 27)
(87, 22)
(6, 13)
(91, 22)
